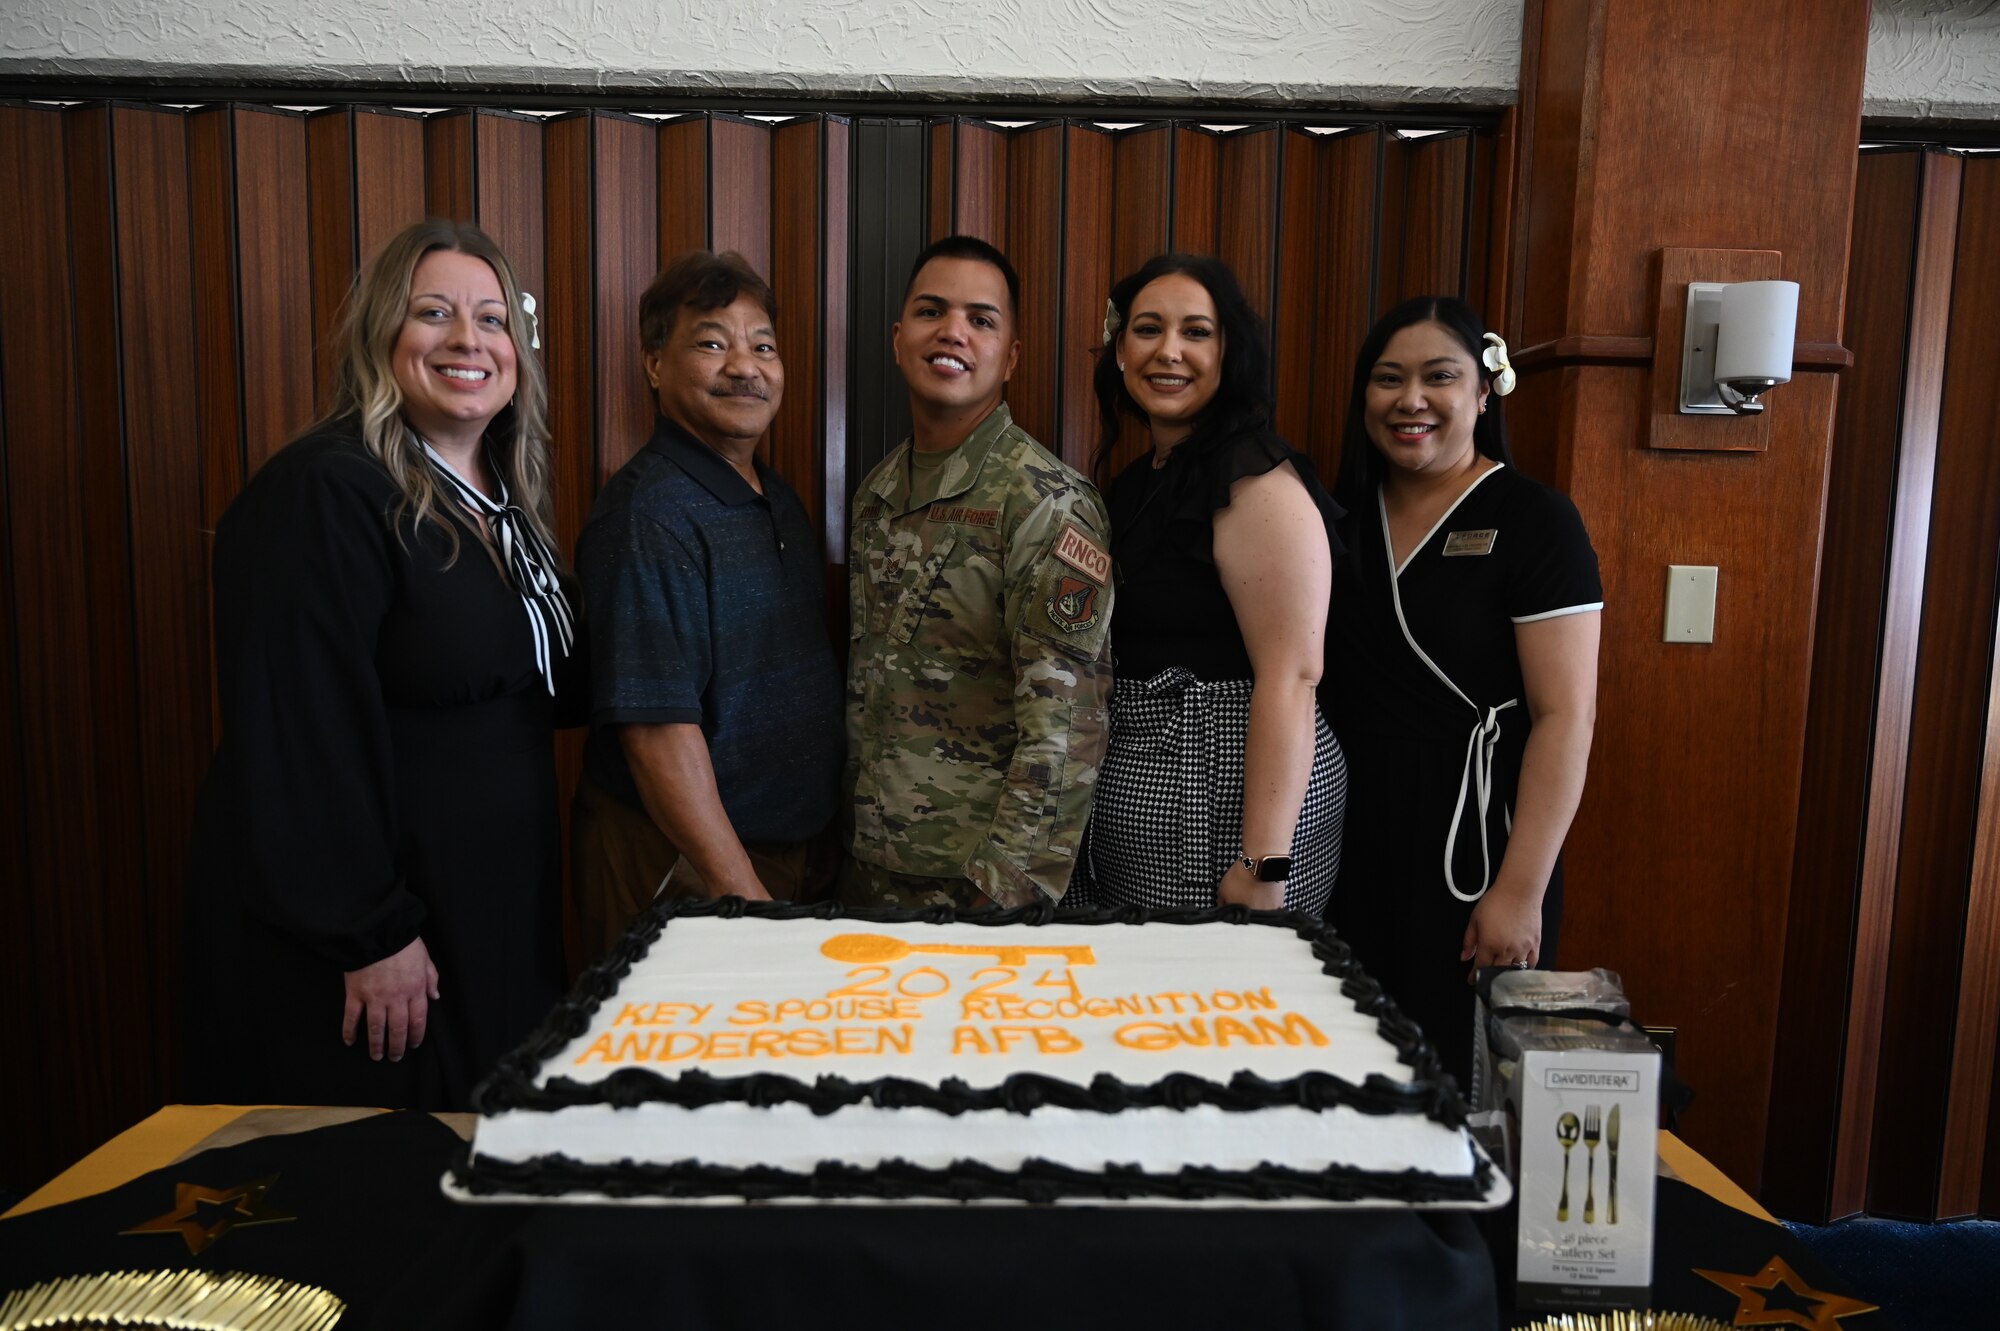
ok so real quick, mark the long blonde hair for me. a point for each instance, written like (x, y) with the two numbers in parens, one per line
(364, 384)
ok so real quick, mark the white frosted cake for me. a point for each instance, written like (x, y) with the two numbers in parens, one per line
(782, 1052)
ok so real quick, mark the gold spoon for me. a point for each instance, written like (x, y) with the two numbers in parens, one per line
(1567, 1131)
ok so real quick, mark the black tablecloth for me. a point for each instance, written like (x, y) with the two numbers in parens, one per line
(1013, 1267)
(371, 1225)
(368, 1222)
(1757, 1274)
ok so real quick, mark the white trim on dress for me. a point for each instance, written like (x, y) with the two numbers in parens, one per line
(1558, 614)
(1476, 777)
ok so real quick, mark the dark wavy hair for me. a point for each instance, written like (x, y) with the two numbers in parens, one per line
(1361, 467)
(699, 280)
(1242, 401)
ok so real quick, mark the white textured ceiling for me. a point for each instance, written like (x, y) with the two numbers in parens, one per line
(1934, 58)
(1925, 57)
(1462, 51)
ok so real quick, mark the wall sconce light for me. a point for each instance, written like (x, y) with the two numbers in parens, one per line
(1737, 344)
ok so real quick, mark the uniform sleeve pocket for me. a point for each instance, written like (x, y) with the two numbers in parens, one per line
(1069, 800)
(952, 612)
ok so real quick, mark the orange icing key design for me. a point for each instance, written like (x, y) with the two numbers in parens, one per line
(876, 949)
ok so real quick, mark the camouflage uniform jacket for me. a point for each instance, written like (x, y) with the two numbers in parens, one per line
(979, 669)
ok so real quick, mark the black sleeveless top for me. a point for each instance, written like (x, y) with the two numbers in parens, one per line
(1172, 609)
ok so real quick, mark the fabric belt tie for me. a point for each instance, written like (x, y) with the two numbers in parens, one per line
(1477, 780)
(529, 562)
(1187, 732)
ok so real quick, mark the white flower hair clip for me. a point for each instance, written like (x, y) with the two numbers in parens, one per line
(1113, 320)
(534, 324)
(1495, 360)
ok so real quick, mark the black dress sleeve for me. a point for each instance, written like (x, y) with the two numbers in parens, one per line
(1221, 465)
(1554, 572)
(305, 571)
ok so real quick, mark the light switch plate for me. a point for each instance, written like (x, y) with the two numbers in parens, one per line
(1690, 603)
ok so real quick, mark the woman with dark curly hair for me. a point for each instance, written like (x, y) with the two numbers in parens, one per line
(1222, 783)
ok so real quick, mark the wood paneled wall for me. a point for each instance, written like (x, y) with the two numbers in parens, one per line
(1895, 923)
(1326, 226)
(1644, 128)
(168, 282)
(1864, 661)
(1943, 998)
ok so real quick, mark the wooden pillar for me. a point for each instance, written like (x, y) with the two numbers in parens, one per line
(1649, 131)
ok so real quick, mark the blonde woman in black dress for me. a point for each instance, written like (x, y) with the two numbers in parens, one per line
(373, 911)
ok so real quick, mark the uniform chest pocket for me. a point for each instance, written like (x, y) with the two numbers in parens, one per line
(952, 610)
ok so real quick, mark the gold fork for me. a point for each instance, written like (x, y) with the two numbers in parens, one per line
(1592, 1130)
(1566, 1133)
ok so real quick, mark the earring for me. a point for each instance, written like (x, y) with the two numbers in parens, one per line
(1121, 367)
(534, 324)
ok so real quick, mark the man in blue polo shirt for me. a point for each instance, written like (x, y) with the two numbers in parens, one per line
(716, 737)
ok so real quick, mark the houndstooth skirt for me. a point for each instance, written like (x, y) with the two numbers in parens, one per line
(1167, 819)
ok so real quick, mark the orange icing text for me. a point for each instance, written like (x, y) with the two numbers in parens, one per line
(663, 1014)
(715, 1046)
(1003, 1040)
(992, 1004)
(754, 1012)
(1198, 1033)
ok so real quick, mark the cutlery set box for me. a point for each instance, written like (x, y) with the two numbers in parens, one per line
(1569, 1093)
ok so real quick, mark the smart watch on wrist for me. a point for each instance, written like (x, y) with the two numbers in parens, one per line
(1269, 868)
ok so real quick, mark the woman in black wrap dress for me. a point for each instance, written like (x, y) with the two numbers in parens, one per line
(1462, 673)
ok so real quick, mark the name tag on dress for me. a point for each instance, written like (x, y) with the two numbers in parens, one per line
(1470, 542)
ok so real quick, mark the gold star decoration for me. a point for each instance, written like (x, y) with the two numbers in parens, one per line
(203, 1215)
(1760, 1302)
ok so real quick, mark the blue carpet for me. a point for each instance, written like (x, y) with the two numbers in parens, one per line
(1945, 1277)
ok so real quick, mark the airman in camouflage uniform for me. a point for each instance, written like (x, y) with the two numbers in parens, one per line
(979, 670)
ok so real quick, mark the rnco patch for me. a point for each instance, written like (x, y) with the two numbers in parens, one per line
(1073, 608)
(1083, 554)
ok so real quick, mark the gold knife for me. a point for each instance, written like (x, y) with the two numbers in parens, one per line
(1611, 1141)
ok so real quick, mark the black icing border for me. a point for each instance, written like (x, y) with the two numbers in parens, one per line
(1430, 1091)
(1036, 1181)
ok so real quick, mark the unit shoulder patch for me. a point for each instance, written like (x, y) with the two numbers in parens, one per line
(1073, 606)
(1083, 554)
